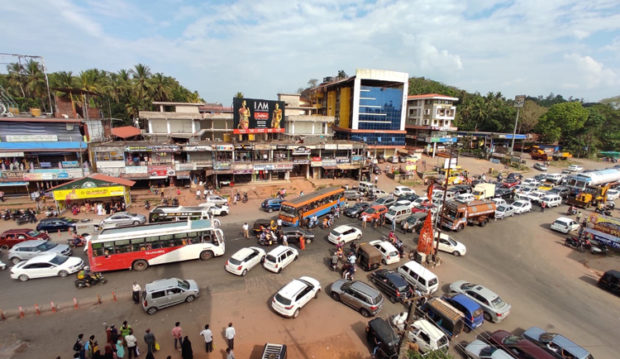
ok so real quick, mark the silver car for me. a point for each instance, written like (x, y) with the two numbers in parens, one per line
(168, 292)
(30, 249)
(357, 295)
(495, 309)
(122, 219)
(503, 211)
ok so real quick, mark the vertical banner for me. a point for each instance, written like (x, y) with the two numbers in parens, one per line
(425, 242)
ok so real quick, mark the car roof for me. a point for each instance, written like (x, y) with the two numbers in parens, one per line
(428, 328)
(342, 228)
(17, 230)
(280, 249)
(243, 252)
(161, 284)
(568, 345)
(30, 243)
(292, 288)
(465, 301)
(484, 291)
(363, 287)
(563, 219)
(43, 258)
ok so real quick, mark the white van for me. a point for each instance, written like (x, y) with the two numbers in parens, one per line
(464, 197)
(554, 177)
(427, 336)
(419, 277)
(397, 213)
(280, 257)
(365, 186)
(551, 200)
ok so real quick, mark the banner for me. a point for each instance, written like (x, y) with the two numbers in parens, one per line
(160, 171)
(257, 116)
(425, 241)
(82, 193)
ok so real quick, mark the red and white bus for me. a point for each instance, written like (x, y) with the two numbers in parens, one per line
(139, 247)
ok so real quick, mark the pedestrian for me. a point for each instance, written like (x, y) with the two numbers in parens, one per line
(246, 230)
(302, 243)
(149, 355)
(120, 349)
(364, 219)
(89, 349)
(186, 349)
(132, 345)
(301, 194)
(230, 336)
(177, 334)
(208, 335)
(376, 179)
(578, 216)
(114, 334)
(135, 292)
(198, 194)
(125, 328)
(108, 352)
(284, 240)
(229, 354)
(149, 339)
(394, 225)
(234, 199)
(78, 347)
(542, 206)
(279, 222)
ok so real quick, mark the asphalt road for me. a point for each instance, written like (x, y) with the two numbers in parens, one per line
(519, 258)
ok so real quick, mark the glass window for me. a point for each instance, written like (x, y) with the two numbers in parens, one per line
(137, 244)
(97, 249)
(122, 246)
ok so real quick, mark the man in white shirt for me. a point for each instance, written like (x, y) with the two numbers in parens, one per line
(198, 194)
(135, 292)
(230, 336)
(208, 335)
(246, 230)
(132, 342)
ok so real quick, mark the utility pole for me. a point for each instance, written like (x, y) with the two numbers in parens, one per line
(519, 102)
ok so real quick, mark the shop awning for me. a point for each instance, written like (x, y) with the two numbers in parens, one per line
(13, 184)
(43, 146)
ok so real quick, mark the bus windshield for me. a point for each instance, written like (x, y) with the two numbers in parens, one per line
(287, 210)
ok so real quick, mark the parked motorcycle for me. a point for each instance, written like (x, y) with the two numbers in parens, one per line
(604, 211)
(575, 243)
(51, 212)
(91, 280)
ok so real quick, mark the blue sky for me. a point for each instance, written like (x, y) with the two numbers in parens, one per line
(262, 48)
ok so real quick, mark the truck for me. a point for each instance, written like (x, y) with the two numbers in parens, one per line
(484, 190)
(580, 182)
(540, 153)
(590, 196)
(455, 216)
(604, 229)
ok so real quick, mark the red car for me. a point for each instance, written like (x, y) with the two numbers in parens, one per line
(518, 346)
(374, 212)
(424, 207)
(511, 182)
(13, 236)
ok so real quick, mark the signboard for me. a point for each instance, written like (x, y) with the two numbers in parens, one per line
(218, 166)
(197, 148)
(301, 162)
(224, 147)
(31, 138)
(183, 175)
(13, 175)
(242, 168)
(136, 170)
(82, 193)
(160, 171)
(519, 101)
(257, 116)
(342, 159)
(450, 164)
(301, 151)
(316, 163)
(70, 164)
(184, 167)
(11, 154)
(357, 158)
(605, 224)
(329, 146)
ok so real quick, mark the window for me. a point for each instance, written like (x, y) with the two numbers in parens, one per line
(109, 156)
(158, 294)
(122, 246)
(173, 291)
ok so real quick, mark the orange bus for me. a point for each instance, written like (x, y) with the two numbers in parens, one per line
(299, 210)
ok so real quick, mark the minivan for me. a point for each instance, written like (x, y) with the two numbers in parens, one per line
(164, 293)
(473, 313)
(365, 186)
(556, 344)
(551, 200)
(397, 214)
(419, 277)
(280, 257)
(445, 316)
(427, 336)
(610, 281)
(272, 204)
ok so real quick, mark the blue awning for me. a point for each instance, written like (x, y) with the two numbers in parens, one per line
(37, 146)
(605, 238)
(12, 184)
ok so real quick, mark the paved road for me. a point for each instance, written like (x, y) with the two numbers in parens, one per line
(519, 258)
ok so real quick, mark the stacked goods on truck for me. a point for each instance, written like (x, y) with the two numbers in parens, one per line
(484, 190)
(604, 229)
(456, 215)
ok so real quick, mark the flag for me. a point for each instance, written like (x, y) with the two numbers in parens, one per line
(425, 241)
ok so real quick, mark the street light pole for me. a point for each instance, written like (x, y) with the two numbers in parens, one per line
(519, 102)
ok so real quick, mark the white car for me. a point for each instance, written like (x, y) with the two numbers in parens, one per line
(464, 197)
(2, 265)
(289, 300)
(481, 350)
(46, 265)
(219, 200)
(245, 259)
(575, 168)
(530, 182)
(504, 210)
(613, 194)
(344, 233)
(280, 257)
(564, 225)
(388, 251)
(521, 206)
(536, 196)
(219, 210)
(499, 201)
(450, 245)
(402, 190)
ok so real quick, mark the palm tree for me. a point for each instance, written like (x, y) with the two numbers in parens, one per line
(161, 87)
(35, 81)
(15, 76)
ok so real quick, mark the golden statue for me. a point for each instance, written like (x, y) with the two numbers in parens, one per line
(244, 117)
(277, 117)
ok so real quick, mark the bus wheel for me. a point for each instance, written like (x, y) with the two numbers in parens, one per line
(139, 265)
(204, 255)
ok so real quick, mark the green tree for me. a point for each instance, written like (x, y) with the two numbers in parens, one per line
(342, 74)
(312, 82)
(529, 115)
(239, 94)
(561, 122)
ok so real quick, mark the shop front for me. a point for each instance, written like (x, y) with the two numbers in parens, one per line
(95, 193)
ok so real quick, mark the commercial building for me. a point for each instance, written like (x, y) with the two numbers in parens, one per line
(430, 121)
(368, 107)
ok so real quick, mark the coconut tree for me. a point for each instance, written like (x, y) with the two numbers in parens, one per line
(35, 81)
(161, 87)
(16, 77)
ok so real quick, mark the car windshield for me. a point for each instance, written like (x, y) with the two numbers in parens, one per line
(234, 261)
(501, 209)
(335, 233)
(497, 302)
(46, 246)
(467, 286)
(183, 284)
(59, 259)
(33, 233)
(271, 258)
(370, 210)
(287, 210)
(511, 340)
(432, 282)
(391, 212)
(282, 300)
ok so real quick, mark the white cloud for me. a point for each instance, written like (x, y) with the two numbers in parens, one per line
(592, 72)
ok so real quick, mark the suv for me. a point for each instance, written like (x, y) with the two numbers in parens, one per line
(294, 233)
(13, 236)
(392, 284)
(387, 201)
(168, 292)
(272, 204)
(280, 257)
(357, 295)
(29, 249)
(56, 224)
(380, 333)
(495, 309)
(289, 300)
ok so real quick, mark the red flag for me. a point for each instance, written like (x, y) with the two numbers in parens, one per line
(425, 241)
(429, 192)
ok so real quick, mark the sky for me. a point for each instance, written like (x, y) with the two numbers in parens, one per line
(265, 47)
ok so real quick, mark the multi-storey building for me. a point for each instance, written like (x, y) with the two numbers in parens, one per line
(368, 107)
(430, 120)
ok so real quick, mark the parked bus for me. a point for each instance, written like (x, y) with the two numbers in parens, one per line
(316, 203)
(175, 214)
(139, 247)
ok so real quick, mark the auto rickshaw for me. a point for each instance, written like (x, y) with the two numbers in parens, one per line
(368, 257)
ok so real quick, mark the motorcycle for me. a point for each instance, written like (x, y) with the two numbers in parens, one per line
(51, 212)
(572, 211)
(604, 211)
(90, 280)
(147, 205)
(575, 243)
(78, 241)
(27, 217)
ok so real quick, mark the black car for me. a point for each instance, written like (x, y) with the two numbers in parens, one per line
(409, 197)
(355, 210)
(460, 189)
(415, 221)
(392, 284)
(56, 224)
(380, 334)
(293, 234)
(505, 193)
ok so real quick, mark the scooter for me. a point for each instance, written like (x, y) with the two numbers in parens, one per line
(575, 243)
(90, 280)
(78, 241)
(147, 205)
(572, 211)
(26, 218)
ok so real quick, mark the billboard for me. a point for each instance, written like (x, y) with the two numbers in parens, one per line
(257, 116)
